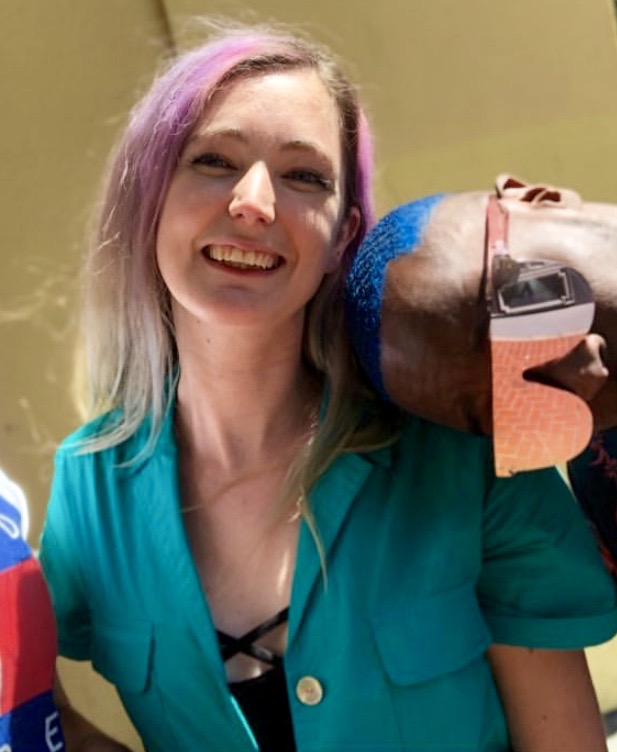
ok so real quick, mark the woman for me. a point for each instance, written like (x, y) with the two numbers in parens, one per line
(244, 539)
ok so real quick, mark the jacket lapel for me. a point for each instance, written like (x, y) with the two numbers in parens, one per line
(331, 500)
(155, 489)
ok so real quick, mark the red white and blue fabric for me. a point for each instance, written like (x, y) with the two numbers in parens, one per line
(29, 721)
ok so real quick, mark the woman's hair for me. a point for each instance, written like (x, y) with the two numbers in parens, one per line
(129, 354)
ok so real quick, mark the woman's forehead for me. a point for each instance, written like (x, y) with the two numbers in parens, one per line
(291, 109)
(298, 91)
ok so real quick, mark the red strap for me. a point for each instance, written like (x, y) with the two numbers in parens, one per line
(496, 242)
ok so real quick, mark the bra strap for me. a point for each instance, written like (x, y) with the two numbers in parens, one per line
(231, 646)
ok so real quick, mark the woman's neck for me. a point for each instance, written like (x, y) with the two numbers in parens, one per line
(241, 402)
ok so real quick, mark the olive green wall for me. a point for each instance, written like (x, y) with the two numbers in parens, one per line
(457, 91)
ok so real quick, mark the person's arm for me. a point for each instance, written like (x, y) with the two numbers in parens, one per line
(548, 698)
(80, 735)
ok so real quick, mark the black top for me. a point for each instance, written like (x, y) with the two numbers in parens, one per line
(593, 475)
(265, 705)
(263, 699)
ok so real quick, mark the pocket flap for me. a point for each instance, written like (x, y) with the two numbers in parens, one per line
(122, 655)
(432, 636)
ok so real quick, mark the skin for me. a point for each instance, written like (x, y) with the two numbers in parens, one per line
(433, 304)
(549, 699)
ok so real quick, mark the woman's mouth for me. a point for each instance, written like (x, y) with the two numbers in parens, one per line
(237, 258)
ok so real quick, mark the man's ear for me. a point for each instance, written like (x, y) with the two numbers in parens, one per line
(346, 233)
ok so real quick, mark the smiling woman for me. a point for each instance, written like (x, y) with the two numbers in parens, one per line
(261, 206)
(242, 503)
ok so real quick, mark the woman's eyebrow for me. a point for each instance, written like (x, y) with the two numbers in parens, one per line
(225, 132)
(308, 147)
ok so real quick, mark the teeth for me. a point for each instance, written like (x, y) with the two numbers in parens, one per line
(242, 259)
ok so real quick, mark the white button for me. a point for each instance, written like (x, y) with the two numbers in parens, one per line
(309, 690)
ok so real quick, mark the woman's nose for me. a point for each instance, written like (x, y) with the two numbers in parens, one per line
(253, 197)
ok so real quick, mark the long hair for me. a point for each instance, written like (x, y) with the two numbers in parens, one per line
(129, 355)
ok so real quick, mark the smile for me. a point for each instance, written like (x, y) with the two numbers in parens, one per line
(240, 259)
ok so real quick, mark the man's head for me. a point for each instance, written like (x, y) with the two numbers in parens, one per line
(418, 310)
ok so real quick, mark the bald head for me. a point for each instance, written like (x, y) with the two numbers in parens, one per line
(417, 304)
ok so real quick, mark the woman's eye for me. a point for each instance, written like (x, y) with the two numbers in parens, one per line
(310, 179)
(212, 160)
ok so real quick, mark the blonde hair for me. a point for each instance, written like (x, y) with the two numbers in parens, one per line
(129, 360)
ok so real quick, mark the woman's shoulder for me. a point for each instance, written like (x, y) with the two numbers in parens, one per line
(432, 453)
(106, 439)
(84, 434)
(416, 431)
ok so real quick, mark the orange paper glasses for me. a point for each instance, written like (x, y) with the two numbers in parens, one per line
(539, 311)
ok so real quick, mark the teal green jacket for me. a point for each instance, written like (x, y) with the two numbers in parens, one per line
(429, 560)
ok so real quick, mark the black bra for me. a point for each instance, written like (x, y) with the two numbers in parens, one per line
(231, 646)
(263, 699)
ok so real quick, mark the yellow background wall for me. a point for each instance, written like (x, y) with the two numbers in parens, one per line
(457, 91)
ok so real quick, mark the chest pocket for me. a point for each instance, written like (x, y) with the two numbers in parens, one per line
(431, 637)
(123, 655)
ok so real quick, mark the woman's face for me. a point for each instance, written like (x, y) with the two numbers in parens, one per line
(253, 218)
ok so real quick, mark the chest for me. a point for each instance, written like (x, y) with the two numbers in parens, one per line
(370, 635)
(387, 553)
(243, 538)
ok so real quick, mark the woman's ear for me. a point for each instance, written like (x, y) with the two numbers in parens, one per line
(346, 233)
